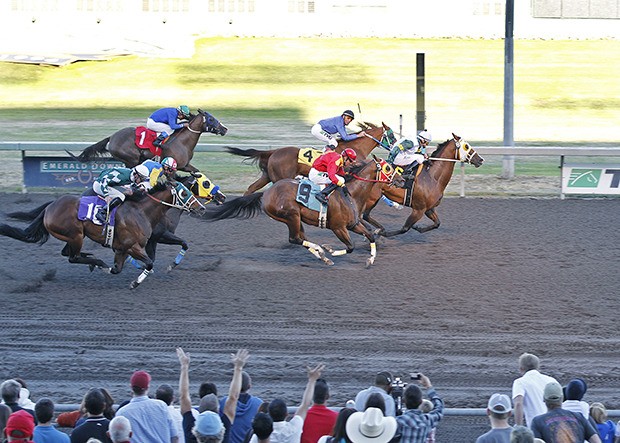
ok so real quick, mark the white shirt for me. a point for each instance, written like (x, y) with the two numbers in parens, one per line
(285, 431)
(177, 418)
(531, 386)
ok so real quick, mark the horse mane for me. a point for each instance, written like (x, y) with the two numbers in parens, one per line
(355, 169)
(440, 148)
(367, 125)
(159, 186)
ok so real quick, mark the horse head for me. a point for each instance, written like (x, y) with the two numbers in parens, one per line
(184, 199)
(382, 135)
(466, 153)
(377, 170)
(211, 124)
(202, 187)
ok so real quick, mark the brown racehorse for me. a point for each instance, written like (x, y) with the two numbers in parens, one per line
(134, 225)
(429, 186)
(277, 164)
(122, 146)
(164, 230)
(279, 202)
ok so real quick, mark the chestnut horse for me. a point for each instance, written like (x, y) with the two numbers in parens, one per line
(122, 145)
(134, 225)
(277, 164)
(429, 187)
(279, 203)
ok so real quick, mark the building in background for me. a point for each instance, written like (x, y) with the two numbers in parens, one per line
(168, 27)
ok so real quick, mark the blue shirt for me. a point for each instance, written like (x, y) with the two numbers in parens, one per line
(414, 425)
(156, 170)
(49, 434)
(168, 116)
(335, 125)
(150, 420)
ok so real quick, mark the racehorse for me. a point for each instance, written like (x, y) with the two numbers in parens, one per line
(279, 202)
(429, 187)
(277, 164)
(164, 230)
(134, 225)
(180, 146)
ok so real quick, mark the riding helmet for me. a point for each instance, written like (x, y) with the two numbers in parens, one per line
(184, 109)
(348, 113)
(425, 135)
(350, 153)
(169, 163)
(141, 171)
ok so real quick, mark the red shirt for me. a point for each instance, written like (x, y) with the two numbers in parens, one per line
(330, 162)
(319, 421)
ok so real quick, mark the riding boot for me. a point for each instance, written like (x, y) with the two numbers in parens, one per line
(409, 172)
(160, 139)
(102, 215)
(323, 196)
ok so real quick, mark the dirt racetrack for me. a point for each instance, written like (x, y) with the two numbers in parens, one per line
(461, 303)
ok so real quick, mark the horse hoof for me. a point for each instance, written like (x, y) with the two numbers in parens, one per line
(91, 268)
(171, 267)
(328, 262)
(133, 285)
(369, 262)
(328, 248)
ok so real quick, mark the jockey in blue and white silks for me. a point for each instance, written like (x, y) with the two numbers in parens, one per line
(326, 129)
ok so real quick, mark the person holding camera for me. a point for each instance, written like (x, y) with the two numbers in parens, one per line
(383, 386)
(414, 425)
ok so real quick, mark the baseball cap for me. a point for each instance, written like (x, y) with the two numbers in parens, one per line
(208, 423)
(553, 392)
(19, 425)
(140, 379)
(499, 403)
(576, 389)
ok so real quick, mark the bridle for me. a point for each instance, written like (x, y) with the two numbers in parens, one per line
(385, 173)
(179, 201)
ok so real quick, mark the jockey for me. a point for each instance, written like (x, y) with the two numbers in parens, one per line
(407, 153)
(157, 171)
(328, 169)
(166, 120)
(110, 179)
(325, 130)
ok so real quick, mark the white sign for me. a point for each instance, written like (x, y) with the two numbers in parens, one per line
(591, 179)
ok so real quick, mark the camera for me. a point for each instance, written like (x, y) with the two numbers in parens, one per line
(415, 376)
(398, 388)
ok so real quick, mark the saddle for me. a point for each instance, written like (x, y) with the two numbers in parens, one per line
(145, 138)
(307, 156)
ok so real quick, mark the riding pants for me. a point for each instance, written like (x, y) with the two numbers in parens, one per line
(111, 193)
(405, 158)
(158, 126)
(321, 178)
(326, 137)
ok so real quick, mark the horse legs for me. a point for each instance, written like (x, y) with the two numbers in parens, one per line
(139, 253)
(343, 236)
(168, 238)
(264, 180)
(367, 219)
(432, 214)
(72, 250)
(416, 214)
(296, 236)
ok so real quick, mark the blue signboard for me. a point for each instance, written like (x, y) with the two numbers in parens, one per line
(60, 172)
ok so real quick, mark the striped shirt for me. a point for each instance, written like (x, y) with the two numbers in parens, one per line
(414, 425)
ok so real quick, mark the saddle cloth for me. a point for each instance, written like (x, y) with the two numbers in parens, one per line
(145, 138)
(306, 194)
(90, 205)
(307, 156)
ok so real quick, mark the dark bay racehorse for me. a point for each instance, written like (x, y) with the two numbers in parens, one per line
(134, 225)
(180, 146)
(279, 203)
(429, 186)
(277, 164)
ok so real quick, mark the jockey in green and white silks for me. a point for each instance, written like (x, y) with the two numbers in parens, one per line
(107, 184)
(408, 153)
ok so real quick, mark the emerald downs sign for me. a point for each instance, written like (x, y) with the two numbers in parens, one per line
(591, 179)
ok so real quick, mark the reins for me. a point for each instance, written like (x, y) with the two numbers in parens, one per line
(183, 207)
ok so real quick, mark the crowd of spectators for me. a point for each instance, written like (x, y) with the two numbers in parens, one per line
(539, 410)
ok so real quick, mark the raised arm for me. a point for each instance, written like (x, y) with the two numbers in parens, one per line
(185, 401)
(230, 406)
(313, 376)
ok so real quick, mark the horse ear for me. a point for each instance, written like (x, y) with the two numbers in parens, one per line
(456, 137)
(200, 111)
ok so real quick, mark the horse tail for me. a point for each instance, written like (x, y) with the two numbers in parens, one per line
(34, 233)
(30, 215)
(247, 206)
(261, 158)
(92, 152)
